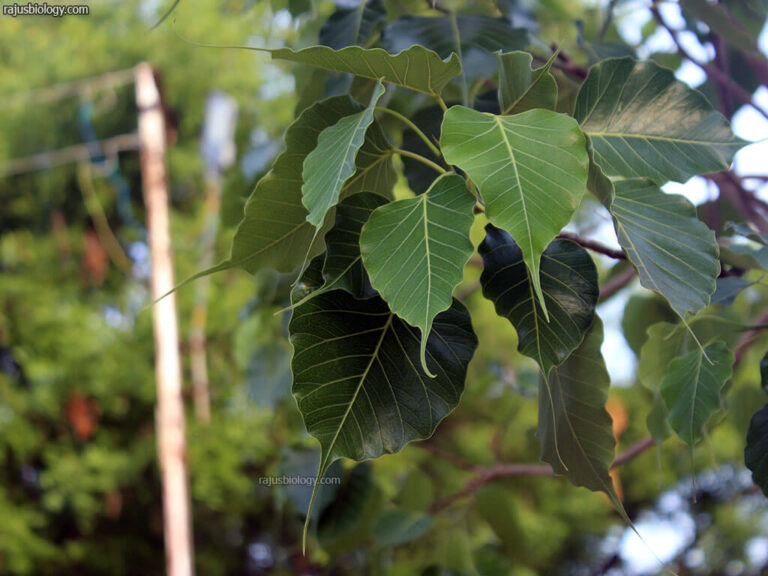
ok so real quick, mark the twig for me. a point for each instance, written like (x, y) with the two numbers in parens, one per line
(564, 63)
(615, 284)
(618, 254)
(420, 158)
(486, 475)
(747, 339)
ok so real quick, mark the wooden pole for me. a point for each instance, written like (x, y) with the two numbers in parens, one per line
(197, 340)
(170, 405)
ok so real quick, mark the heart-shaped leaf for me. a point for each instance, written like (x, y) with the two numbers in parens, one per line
(569, 285)
(415, 251)
(357, 378)
(332, 163)
(575, 429)
(531, 169)
(521, 88)
(644, 123)
(674, 252)
(691, 388)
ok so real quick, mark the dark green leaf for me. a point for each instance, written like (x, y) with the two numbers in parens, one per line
(521, 88)
(332, 163)
(415, 250)
(674, 252)
(644, 123)
(531, 169)
(729, 288)
(569, 285)
(473, 38)
(343, 267)
(575, 429)
(764, 372)
(357, 378)
(352, 26)
(691, 389)
(428, 120)
(756, 452)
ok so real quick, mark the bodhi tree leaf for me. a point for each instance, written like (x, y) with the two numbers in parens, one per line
(691, 389)
(352, 26)
(274, 232)
(531, 169)
(332, 162)
(575, 429)
(569, 285)
(521, 88)
(644, 123)
(416, 68)
(641, 312)
(674, 252)
(415, 251)
(357, 378)
(473, 38)
(756, 451)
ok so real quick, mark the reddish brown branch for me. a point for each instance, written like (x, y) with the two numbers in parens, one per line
(616, 283)
(720, 78)
(487, 475)
(618, 254)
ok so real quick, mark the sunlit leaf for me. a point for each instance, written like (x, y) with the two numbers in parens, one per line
(415, 250)
(674, 252)
(644, 123)
(332, 163)
(531, 169)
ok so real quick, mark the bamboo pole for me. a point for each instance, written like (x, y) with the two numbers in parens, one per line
(170, 405)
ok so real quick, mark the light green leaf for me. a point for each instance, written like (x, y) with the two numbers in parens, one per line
(674, 252)
(641, 312)
(274, 232)
(357, 378)
(569, 284)
(521, 88)
(660, 348)
(531, 169)
(644, 123)
(332, 162)
(415, 251)
(691, 389)
(416, 68)
(575, 429)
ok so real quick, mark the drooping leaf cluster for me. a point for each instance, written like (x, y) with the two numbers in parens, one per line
(454, 103)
